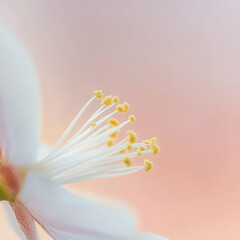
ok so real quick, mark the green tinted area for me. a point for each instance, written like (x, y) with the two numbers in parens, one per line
(5, 193)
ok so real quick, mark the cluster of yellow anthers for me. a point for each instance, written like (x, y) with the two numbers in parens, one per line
(146, 144)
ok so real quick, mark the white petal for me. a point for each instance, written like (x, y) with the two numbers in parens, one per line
(19, 102)
(12, 220)
(70, 217)
(25, 220)
(148, 236)
(43, 151)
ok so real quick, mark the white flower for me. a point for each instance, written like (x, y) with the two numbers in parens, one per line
(31, 190)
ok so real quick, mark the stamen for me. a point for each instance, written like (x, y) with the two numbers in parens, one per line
(127, 161)
(93, 152)
(118, 174)
(116, 100)
(143, 148)
(114, 134)
(65, 134)
(129, 146)
(139, 153)
(120, 108)
(78, 136)
(147, 165)
(98, 94)
(122, 151)
(155, 149)
(126, 106)
(113, 121)
(110, 142)
(107, 101)
(132, 136)
(147, 142)
(132, 118)
(153, 140)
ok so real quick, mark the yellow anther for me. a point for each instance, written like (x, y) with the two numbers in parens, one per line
(143, 148)
(122, 151)
(155, 149)
(98, 94)
(107, 101)
(114, 134)
(127, 161)
(113, 121)
(93, 124)
(132, 118)
(126, 106)
(110, 142)
(147, 165)
(146, 142)
(129, 146)
(120, 108)
(153, 140)
(116, 100)
(132, 136)
(139, 153)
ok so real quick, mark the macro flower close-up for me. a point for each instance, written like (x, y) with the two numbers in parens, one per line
(119, 120)
(31, 173)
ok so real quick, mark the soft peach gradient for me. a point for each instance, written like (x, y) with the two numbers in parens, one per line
(177, 63)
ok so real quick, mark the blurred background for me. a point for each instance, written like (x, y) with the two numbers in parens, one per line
(177, 64)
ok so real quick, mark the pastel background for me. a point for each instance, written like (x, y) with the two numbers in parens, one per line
(177, 63)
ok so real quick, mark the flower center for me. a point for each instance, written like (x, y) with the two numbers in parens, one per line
(10, 182)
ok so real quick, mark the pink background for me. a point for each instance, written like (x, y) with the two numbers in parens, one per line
(177, 63)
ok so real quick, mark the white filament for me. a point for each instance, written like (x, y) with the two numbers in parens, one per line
(85, 155)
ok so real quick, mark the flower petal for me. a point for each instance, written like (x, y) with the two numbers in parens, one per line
(67, 216)
(21, 221)
(25, 221)
(19, 102)
(12, 220)
(43, 150)
(148, 236)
